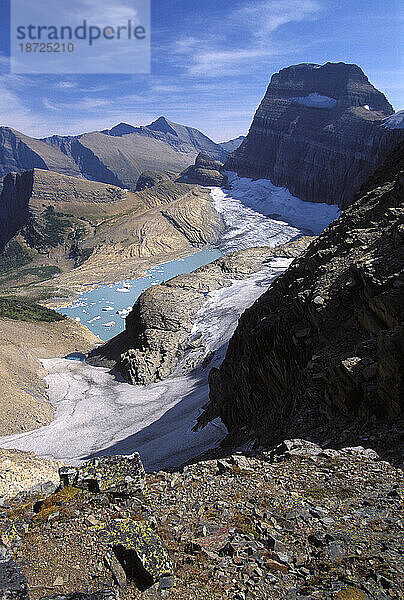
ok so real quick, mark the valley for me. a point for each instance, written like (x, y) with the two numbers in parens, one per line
(205, 341)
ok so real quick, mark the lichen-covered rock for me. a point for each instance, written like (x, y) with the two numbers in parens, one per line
(319, 131)
(120, 475)
(13, 585)
(139, 550)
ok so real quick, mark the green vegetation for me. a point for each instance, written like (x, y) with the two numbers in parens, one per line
(49, 230)
(13, 257)
(41, 274)
(27, 310)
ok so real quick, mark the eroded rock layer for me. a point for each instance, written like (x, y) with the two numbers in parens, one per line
(327, 337)
(319, 131)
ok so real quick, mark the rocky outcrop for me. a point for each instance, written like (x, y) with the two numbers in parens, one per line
(318, 132)
(24, 471)
(325, 343)
(150, 178)
(205, 171)
(158, 328)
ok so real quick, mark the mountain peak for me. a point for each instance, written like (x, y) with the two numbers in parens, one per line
(120, 129)
(163, 125)
(345, 83)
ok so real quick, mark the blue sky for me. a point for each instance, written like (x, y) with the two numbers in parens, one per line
(211, 63)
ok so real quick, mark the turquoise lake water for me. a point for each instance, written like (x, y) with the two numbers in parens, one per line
(104, 309)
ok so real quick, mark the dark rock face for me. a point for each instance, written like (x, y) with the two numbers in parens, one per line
(319, 132)
(14, 201)
(150, 178)
(327, 337)
(205, 171)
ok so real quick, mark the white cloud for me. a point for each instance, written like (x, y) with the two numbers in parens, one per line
(66, 85)
(252, 25)
(48, 104)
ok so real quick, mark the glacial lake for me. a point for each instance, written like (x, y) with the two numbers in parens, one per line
(104, 309)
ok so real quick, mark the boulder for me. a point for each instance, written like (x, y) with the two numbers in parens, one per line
(206, 171)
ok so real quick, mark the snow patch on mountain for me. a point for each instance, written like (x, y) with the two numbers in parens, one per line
(395, 121)
(315, 100)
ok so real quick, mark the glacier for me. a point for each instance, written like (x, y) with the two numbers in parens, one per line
(97, 413)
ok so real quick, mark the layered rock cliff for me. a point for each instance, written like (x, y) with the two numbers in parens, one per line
(327, 339)
(319, 131)
(205, 171)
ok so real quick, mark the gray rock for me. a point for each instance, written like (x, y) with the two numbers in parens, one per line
(13, 585)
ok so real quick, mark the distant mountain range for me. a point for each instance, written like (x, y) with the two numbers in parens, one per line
(116, 156)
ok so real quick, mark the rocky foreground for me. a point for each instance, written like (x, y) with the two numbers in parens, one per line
(298, 522)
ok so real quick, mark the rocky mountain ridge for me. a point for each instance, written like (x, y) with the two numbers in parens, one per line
(325, 342)
(319, 131)
(115, 156)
